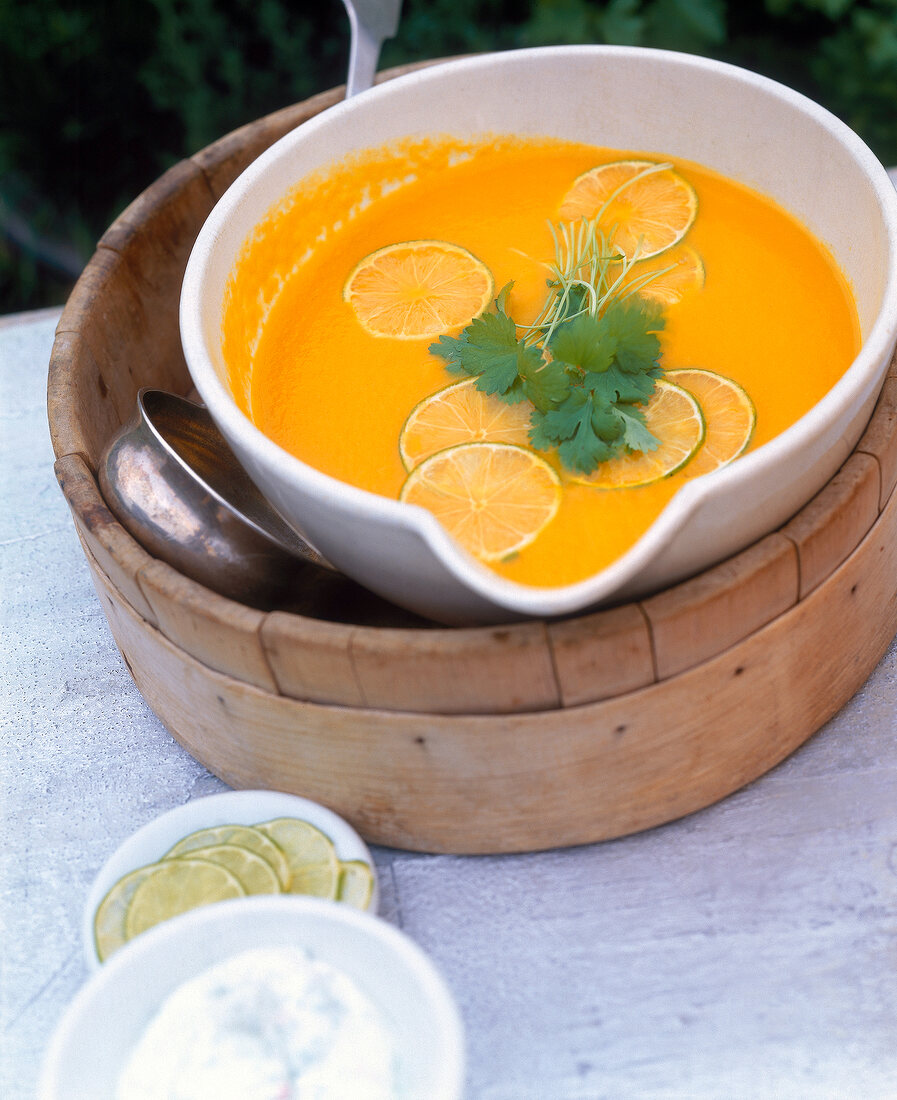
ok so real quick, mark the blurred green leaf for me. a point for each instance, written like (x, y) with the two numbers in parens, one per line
(98, 98)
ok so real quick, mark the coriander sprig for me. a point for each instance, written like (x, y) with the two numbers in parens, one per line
(588, 361)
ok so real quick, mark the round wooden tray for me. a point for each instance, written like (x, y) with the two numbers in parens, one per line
(494, 739)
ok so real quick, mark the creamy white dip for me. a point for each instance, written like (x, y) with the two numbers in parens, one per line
(267, 1024)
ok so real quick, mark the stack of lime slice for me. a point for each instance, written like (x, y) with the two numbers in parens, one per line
(283, 856)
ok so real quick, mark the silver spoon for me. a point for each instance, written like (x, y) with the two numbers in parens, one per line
(371, 22)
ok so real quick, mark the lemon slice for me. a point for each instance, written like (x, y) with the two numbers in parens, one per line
(494, 498)
(245, 836)
(461, 413)
(314, 868)
(109, 920)
(675, 418)
(685, 274)
(174, 887)
(649, 210)
(256, 875)
(729, 413)
(356, 883)
(418, 289)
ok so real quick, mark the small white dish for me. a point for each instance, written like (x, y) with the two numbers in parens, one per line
(154, 839)
(107, 1017)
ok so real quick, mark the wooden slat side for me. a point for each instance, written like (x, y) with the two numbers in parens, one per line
(106, 319)
(835, 521)
(602, 655)
(880, 438)
(521, 782)
(218, 632)
(80, 406)
(310, 659)
(495, 670)
(125, 305)
(160, 225)
(119, 556)
(224, 160)
(706, 615)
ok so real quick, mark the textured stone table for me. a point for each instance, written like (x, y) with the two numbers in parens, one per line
(748, 952)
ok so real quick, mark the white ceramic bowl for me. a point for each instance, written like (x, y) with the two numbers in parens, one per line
(740, 124)
(107, 1017)
(154, 839)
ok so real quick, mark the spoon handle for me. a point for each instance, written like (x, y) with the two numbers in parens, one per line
(371, 22)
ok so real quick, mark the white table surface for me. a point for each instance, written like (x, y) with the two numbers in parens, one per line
(748, 951)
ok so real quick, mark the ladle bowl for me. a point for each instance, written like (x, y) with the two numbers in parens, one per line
(172, 480)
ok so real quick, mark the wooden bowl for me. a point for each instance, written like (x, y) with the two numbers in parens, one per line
(493, 739)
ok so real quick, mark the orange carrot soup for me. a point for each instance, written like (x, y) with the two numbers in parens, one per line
(537, 340)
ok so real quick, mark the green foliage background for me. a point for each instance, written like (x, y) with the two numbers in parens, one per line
(98, 97)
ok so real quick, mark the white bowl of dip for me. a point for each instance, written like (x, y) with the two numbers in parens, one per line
(406, 1002)
(735, 122)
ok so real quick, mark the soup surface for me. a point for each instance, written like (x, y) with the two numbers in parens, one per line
(763, 304)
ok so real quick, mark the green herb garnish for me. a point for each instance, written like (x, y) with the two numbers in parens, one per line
(587, 363)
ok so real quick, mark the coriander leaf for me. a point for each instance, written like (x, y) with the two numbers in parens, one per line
(501, 302)
(606, 424)
(489, 350)
(633, 324)
(613, 385)
(552, 427)
(585, 451)
(584, 344)
(448, 349)
(636, 435)
(545, 382)
(571, 428)
(488, 347)
(576, 302)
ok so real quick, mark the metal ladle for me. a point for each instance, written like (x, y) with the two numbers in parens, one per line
(171, 479)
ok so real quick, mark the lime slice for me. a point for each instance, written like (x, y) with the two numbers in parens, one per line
(730, 415)
(256, 875)
(461, 413)
(674, 417)
(245, 836)
(314, 868)
(176, 886)
(418, 289)
(680, 271)
(356, 883)
(494, 498)
(649, 208)
(109, 921)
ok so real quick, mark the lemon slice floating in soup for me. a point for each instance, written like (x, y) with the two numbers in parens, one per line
(674, 417)
(461, 413)
(418, 289)
(494, 498)
(649, 208)
(671, 275)
(729, 413)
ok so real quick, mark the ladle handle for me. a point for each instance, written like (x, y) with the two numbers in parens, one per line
(371, 22)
